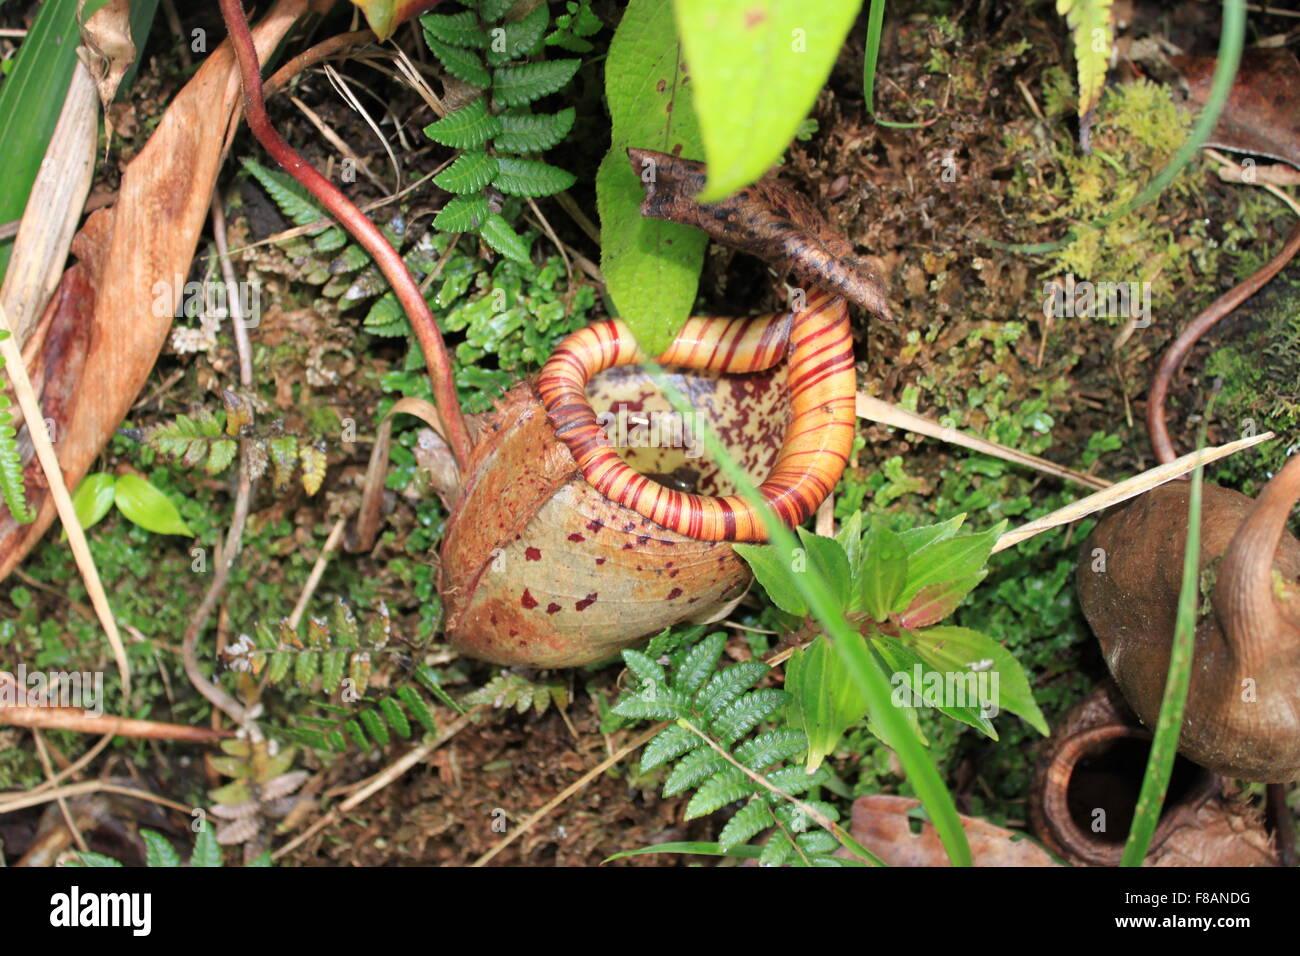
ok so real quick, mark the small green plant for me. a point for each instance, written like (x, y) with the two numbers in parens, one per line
(714, 712)
(894, 589)
(202, 440)
(140, 502)
(497, 132)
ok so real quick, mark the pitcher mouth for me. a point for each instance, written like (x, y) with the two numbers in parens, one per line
(1091, 788)
(821, 387)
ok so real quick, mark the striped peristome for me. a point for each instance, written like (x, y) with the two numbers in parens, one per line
(821, 383)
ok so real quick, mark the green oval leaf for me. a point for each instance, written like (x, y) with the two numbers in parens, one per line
(757, 67)
(93, 498)
(146, 506)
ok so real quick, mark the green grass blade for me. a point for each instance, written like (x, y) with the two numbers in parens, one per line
(875, 23)
(1164, 747)
(865, 670)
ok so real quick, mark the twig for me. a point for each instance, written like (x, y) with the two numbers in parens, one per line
(873, 409)
(1124, 490)
(317, 571)
(34, 799)
(1157, 425)
(43, 753)
(225, 562)
(76, 719)
(365, 231)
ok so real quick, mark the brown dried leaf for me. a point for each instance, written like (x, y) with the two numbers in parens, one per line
(1262, 114)
(881, 824)
(766, 220)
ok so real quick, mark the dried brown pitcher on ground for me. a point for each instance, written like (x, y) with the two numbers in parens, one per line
(1243, 705)
(1086, 785)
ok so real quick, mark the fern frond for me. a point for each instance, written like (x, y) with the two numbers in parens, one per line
(521, 83)
(530, 177)
(529, 132)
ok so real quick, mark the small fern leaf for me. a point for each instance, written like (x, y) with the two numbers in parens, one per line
(777, 851)
(817, 843)
(386, 318)
(1093, 39)
(726, 786)
(220, 455)
(314, 462)
(648, 670)
(358, 735)
(693, 769)
(501, 236)
(418, 708)
(281, 661)
(751, 819)
(520, 39)
(460, 63)
(532, 133)
(521, 83)
(771, 747)
(462, 214)
(669, 744)
(331, 669)
(698, 664)
(207, 852)
(12, 485)
(658, 703)
(157, 851)
(469, 127)
(292, 199)
(796, 780)
(493, 10)
(530, 177)
(458, 29)
(375, 727)
(395, 718)
(332, 240)
(725, 686)
(304, 668)
(746, 712)
(468, 174)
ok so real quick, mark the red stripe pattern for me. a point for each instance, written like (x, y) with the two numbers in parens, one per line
(821, 382)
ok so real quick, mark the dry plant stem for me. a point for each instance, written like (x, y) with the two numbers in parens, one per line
(225, 563)
(242, 344)
(365, 231)
(1124, 490)
(31, 410)
(77, 720)
(875, 410)
(8, 800)
(567, 792)
(34, 799)
(317, 571)
(43, 753)
(1157, 426)
(373, 785)
(309, 58)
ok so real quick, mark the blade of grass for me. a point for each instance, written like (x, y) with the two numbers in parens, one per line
(1164, 747)
(875, 23)
(866, 673)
